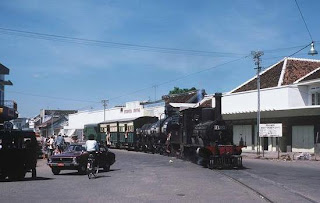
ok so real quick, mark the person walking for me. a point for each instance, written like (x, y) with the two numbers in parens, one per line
(60, 143)
(50, 144)
(108, 139)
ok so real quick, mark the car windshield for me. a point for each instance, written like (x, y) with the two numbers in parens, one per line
(77, 148)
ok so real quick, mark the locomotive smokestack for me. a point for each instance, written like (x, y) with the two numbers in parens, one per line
(217, 109)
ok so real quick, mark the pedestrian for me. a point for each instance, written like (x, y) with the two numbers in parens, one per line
(50, 144)
(168, 142)
(60, 143)
(44, 147)
(108, 139)
(74, 139)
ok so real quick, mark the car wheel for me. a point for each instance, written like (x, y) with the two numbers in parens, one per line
(34, 173)
(55, 171)
(106, 168)
(82, 169)
(3, 176)
(17, 174)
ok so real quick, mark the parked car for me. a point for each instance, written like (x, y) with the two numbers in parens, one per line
(18, 154)
(75, 157)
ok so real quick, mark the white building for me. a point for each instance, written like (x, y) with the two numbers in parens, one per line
(290, 95)
(134, 109)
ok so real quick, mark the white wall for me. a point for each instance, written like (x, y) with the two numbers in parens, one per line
(276, 98)
(270, 99)
(131, 110)
(298, 96)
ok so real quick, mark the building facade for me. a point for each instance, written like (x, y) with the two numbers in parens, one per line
(289, 95)
(8, 108)
(130, 110)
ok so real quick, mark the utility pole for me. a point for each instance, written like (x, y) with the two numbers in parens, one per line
(257, 60)
(155, 92)
(52, 129)
(105, 104)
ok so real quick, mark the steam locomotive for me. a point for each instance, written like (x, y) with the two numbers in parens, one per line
(196, 134)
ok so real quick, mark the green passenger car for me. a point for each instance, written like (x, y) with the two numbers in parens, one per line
(123, 131)
(94, 129)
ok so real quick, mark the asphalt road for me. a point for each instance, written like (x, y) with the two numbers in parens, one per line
(140, 177)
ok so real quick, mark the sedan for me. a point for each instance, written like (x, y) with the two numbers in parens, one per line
(76, 158)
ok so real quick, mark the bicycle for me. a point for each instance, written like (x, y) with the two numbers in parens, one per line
(92, 166)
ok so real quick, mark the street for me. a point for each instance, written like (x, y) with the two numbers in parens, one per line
(140, 177)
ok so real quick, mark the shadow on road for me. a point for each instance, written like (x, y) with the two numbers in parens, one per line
(27, 179)
(81, 174)
(117, 169)
(230, 169)
(101, 176)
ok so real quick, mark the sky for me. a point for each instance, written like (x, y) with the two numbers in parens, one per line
(138, 50)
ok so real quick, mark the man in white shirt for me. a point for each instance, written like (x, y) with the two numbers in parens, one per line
(50, 143)
(91, 144)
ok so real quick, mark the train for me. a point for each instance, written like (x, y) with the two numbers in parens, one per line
(196, 134)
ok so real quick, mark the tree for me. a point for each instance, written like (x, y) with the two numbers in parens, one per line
(177, 90)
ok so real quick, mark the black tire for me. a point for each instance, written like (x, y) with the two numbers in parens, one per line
(18, 174)
(106, 168)
(55, 171)
(34, 173)
(3, 176)
(82, 169)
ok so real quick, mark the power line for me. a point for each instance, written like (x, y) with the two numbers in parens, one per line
(179, 78)
(290, 54)
(62, 38)
(304, 20)
(51, 97)
(128, 46)
(160, 84)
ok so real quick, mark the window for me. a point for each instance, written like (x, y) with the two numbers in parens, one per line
(121, 129)
(315, 98)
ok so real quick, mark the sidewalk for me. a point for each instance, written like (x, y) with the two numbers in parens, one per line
(285, 156)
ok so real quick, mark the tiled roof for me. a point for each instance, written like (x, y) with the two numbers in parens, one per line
(267, 79)
(296, 69)
(180, 98)
(315, 75)
(285, 72)
(207, 103)
(4, 70)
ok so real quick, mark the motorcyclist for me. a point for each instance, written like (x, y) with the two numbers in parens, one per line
(92, 145)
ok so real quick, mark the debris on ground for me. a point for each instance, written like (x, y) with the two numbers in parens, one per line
(304, 156)
(170, 161)
(285, 157)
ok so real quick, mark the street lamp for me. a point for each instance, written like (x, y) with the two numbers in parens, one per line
(312, 51)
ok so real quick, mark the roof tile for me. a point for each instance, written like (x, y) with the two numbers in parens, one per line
(296, 69)
(268, 79)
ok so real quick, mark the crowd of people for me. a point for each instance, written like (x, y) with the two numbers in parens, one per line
(53, 145)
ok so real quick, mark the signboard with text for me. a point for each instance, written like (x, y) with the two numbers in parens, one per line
(271, 130)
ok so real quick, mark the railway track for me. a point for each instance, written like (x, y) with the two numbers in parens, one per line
(262, 195)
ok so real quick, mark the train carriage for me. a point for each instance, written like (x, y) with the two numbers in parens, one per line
(93, 129)
(112, 128)
(123, 131)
